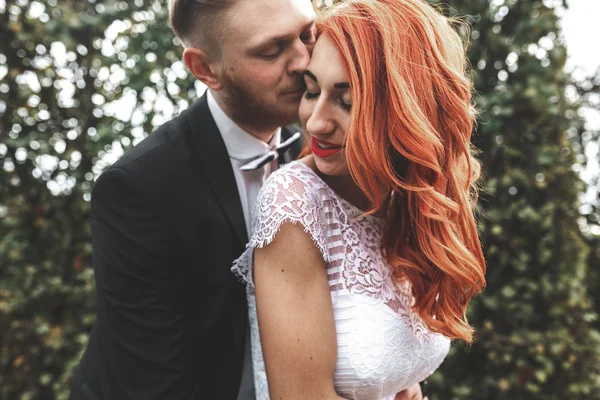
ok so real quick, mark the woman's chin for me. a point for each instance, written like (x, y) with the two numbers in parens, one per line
(331, 167)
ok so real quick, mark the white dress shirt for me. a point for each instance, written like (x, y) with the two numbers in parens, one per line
(242, 147)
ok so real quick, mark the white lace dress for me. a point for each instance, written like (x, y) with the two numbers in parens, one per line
(383, 347)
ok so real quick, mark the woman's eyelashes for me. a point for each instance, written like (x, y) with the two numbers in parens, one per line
(343, 104)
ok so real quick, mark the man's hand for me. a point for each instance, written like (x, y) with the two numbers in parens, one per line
(412, 393)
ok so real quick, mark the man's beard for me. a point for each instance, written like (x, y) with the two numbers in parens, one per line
(250, 108)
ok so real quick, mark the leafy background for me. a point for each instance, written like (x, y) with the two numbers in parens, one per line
(82, 81)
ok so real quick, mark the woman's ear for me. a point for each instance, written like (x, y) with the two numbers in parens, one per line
(200, 65)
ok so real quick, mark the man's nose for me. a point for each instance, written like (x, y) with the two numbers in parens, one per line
(301, 57)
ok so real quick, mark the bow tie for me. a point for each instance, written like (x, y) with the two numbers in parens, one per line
(271, 155)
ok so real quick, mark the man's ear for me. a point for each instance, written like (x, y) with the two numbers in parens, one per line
(202, 68)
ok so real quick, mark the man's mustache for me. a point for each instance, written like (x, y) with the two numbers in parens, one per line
(300, 85)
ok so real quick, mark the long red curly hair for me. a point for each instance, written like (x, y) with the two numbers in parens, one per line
(408, 147)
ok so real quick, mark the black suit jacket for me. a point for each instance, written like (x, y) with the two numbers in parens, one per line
(167, 223)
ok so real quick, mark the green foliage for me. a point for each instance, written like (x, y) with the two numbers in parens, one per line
(80, 82)
(66, 69)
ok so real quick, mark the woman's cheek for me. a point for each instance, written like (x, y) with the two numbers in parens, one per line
(304, 112)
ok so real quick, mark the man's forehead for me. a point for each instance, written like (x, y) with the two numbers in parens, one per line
(258, 21)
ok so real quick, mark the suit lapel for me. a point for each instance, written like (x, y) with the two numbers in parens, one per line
(216, 164)
(208, 143)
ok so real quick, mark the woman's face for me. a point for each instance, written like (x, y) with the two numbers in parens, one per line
(325, 108)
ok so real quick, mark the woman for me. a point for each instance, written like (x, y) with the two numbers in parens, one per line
(365, 253)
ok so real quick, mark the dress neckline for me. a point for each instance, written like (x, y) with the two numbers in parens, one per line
(354, 211)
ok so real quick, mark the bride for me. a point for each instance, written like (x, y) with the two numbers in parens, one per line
(365, 253)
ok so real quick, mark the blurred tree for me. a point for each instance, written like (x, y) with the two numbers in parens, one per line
(594, 266)
(587, 92)
(80, 82)
(83, 81)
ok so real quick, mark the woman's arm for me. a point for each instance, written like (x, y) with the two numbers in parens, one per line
(295, 317)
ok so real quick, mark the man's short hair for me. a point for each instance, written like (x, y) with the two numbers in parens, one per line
(194, 21)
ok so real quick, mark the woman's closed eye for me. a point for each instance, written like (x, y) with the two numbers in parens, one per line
(309, 95)
(344, 105)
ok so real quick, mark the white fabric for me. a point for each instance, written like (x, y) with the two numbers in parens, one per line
(242, 147)
(383, 346)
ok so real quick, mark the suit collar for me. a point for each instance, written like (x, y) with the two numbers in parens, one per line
(213, 156)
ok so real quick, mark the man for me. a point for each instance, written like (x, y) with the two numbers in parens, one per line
(172, 214)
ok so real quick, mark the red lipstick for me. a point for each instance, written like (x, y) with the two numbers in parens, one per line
(324, 153)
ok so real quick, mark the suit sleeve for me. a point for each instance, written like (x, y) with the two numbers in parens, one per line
(140, 317)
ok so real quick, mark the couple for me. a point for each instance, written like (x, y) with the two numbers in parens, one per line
(362, 256)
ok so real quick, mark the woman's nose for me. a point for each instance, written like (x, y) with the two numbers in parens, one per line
(319, 122)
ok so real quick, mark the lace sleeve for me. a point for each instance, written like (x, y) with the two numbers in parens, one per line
(287, 195)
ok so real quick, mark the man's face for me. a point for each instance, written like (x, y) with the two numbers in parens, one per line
(265, 49)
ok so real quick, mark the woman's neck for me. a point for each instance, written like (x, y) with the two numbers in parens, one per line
(345, 187)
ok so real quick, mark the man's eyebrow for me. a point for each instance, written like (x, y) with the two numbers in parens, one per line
(266, 41)
(310, 75)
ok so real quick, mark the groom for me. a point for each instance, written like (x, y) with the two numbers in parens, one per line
(173, 213)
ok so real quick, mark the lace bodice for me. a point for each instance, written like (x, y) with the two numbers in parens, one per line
(383, 346)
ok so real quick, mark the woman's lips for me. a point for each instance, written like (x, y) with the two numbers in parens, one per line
(321, 152)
